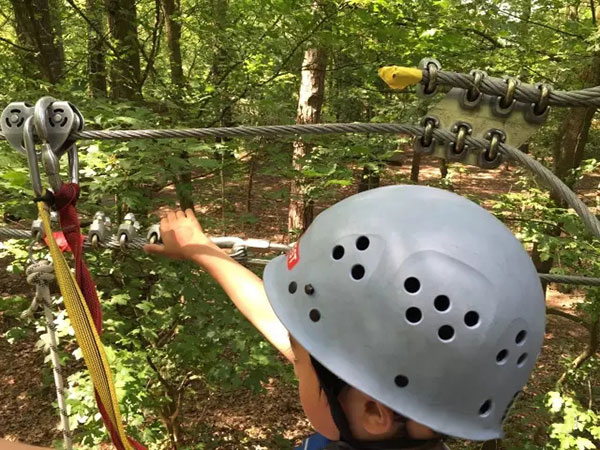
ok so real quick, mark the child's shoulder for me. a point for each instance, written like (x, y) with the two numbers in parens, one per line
(314, 442)
(319, 442)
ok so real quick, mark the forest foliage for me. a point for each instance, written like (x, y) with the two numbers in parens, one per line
(201, 63)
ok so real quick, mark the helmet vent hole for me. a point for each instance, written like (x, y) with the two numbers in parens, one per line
(413, 315)
(446, 333)
(293, 286)
(314, 315)
(485, 408)
(338, 252)
(362, 243)
(358, 272)
(412, 285)
(441, 303)
(309, 289)
(501, 356)
(401, 381)
(471, 319)
(520, 339)
(522, 360)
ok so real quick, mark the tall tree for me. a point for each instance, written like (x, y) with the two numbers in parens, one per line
(37, 23)
(221, 69)
(95, 46)
(310, 102)
(125, 68)
(171, 11)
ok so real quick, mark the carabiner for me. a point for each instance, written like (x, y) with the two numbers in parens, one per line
(32, 158)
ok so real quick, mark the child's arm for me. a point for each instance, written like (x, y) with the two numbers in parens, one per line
(183, 238)
(8, 445)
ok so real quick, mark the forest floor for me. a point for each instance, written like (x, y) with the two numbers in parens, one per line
(242, 419)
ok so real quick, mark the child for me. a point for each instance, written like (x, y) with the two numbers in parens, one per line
(408, 312)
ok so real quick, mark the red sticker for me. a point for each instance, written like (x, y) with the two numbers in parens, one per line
(293, 256)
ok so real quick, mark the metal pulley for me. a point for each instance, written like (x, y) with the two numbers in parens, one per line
(153, 235)
(52, 123)
(12, 122)
(99, 229)
(128, 230)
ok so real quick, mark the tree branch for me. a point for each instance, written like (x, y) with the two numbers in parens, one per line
(95, 28)
(487, 37)
(20, 47)
(573, 317)
(154, 48)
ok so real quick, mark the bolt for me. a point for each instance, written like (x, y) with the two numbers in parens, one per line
(57, 117)
(14, 118)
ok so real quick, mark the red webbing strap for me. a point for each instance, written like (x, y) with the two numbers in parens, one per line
(65, 200)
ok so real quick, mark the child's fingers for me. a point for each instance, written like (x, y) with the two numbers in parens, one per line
(189, 213)
(171, 217)
(154, 249)
(180, 214)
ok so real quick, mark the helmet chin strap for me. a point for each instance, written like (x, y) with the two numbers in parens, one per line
(332, 386)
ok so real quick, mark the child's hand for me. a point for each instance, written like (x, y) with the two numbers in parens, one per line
(182, 237)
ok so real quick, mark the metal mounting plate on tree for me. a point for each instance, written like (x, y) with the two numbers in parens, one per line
(482, 116)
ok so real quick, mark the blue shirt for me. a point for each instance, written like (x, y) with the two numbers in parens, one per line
(314, 442)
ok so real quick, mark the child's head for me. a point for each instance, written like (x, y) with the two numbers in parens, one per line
(423, 302)
(367, 418)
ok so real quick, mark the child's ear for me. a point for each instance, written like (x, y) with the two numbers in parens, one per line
(377, 419)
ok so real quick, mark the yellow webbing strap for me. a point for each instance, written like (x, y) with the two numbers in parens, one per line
(85, 332)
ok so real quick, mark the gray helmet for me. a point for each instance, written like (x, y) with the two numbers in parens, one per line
(419, 298)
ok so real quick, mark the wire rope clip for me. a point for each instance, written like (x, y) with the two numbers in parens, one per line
(11, 123)
(425, 145)
(457, 149)
(432, 66)
(153, 235)
(472, 97)
(503, 106)
(99, 229)
(538, 112)
(128, 230)
(491, 157)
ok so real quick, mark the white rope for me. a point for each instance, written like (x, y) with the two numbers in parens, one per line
(41, 274)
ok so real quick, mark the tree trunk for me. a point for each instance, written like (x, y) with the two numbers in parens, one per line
(369, 179)
(220, 66)
(96, 60)
(37, 24)
(310, 102)
(183, 184)
(415, 167)
(572, 137)
(443, 168)
(568, 151)
(171, 11)
(125, 68)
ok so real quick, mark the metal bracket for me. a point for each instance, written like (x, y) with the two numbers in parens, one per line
(482, 118)
(11, 123)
